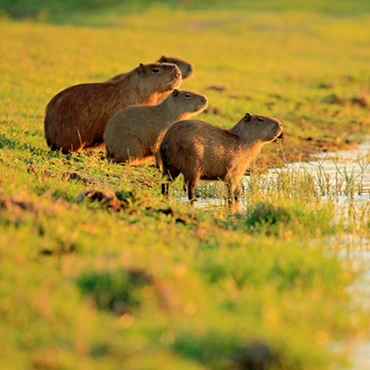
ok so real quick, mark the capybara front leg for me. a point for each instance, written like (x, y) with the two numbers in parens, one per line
(169, 175)
(233, 190)
(237, 192)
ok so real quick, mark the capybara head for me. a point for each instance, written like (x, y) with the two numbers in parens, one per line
(167, 76)
(188, 101)
(186, 68)
(255, 127)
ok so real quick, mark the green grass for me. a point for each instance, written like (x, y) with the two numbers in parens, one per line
(137, 282)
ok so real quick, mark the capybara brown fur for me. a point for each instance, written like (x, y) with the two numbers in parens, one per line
(201, 151)
(76, 117)
(134, 134)
(185, 67)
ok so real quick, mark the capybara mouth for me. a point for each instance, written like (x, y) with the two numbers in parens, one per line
(281, 136)
(176, 83)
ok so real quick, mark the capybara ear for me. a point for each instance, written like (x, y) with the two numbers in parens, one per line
(141, 67)
(175, 92)
(163, 59)
(247, 117)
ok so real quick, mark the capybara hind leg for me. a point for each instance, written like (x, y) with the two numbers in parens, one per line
(158, 160)
(190, 186)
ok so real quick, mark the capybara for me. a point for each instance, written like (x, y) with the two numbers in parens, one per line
(134, 134)
(76, 117)
(185, 67)
(201, 151)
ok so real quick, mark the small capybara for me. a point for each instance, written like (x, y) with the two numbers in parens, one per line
(134, 134)
(185, 67)
(76, 117)
(201, 151)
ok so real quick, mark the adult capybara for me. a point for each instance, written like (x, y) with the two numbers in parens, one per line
(134, 134)
(76, 117)
(201, 151)
(185, 67)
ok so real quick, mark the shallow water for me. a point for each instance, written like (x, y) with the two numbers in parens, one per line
(344, 167)
(342, 177)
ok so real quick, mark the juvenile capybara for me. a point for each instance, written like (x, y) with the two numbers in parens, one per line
(76, 117)
(134, 134)
(201, 151)
(185, 67)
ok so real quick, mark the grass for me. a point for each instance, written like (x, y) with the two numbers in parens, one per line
(99, 271)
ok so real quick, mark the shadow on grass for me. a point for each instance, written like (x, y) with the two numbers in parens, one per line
(116, 291)
(5, 142)
(220, 351)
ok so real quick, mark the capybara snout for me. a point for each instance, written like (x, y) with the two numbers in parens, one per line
(204, 101)
(177, 73)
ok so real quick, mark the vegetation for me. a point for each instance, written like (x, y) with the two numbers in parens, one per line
(99, 271)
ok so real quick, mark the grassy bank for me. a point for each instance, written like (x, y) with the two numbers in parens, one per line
(121, 278)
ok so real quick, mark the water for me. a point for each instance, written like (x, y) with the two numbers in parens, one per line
(342, 176)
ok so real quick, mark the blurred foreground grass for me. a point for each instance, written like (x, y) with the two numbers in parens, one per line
(131, 281)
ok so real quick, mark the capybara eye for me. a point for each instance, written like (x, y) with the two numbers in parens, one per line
(155, 70)
(260, 119)
(187, 95)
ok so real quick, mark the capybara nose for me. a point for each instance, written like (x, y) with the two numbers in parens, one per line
(279, 125)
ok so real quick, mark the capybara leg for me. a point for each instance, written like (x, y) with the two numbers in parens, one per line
(158, 161)
(233, 190)
(171, 173)
(166, 188)
(237, 192)
(190, 186)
